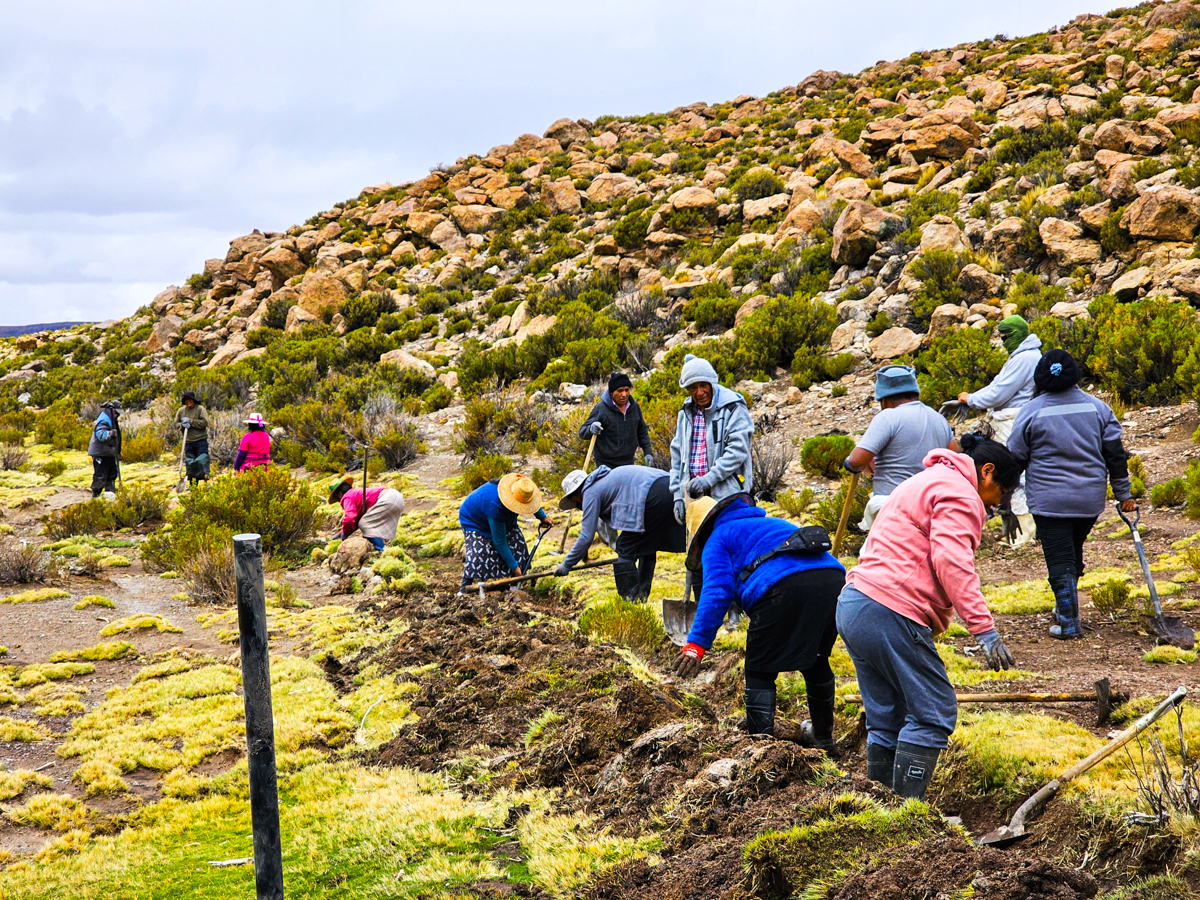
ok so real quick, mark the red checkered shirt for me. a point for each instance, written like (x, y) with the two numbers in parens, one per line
(698, 459)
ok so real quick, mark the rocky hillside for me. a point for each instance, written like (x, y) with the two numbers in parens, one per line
(875, 215)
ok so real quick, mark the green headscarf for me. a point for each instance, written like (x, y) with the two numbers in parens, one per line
(1013, 330)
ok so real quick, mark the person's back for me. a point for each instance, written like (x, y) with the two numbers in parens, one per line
(483, 504)
(900, 438)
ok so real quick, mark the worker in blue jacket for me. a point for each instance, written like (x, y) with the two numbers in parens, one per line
(788, 583)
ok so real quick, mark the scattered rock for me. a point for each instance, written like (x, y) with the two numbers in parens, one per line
(895, 342)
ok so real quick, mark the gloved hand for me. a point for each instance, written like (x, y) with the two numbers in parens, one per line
(561, 570)
(687, 663)
(998, 656)
(595, 428)
(697, 487)
(185, 423)
(649, 460)
(680, 512)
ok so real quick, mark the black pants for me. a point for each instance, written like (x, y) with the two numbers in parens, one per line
(104, 474)
(1062, 542)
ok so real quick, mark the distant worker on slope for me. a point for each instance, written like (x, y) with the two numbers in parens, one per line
(1070, 443)
(898, 438)
(788, 584)
(916, 569)
(493, 544)
(617, 424)
(635, 500)
(374, 512)
(1011, 389)
(192, 422)
(105, 448)
(255, 448)
(710, 453)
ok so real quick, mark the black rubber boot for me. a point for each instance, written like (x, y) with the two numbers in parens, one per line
(625, 574)
(914, 769)
(881, 764)
(818, 728)
(645, 567)
(760, 711)
(1066, 608)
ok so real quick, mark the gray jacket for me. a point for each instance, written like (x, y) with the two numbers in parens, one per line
(728, 430)
(1071, 445)
(106, 435)
(1013, 385)
(618, 496)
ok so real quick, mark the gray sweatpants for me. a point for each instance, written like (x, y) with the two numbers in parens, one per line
(906, 693)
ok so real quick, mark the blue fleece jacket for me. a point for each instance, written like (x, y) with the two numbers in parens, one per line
(741, 535)
(483, 512)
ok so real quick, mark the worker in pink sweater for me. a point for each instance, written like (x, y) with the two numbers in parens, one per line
(916, 569)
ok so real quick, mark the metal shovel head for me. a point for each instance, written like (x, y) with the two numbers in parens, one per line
(1170, 630)
(678, 615)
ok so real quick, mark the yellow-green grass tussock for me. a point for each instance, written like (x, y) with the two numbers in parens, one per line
(103, 650)
(1165, 653)
(1021, 598)
(40, 673)
(94, 600)
(137, 623)
(36, 595)
(13, 784)
(15, 730)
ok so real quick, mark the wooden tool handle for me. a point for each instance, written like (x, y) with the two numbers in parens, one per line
(587, 461)
(1077, 697)
(1125, 736)
(531, 576)
(845, 519)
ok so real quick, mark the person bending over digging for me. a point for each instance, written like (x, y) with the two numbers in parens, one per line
(710, 453)
(374, 512)
(916, 569)
(635, 500)
(788, 584)
(105, 448)
(617, 424)
(192, 422)
(898, 438)
(255, 448)
(493, 545)
(1070, 443)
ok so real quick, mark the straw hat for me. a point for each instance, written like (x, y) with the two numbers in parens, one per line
(519, 494)
(347, 480)
(702, 516)
(572, 486)
(255, 419)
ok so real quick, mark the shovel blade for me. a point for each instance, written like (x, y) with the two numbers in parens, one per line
(1171, 630)
(1004, 836)
(678, 615)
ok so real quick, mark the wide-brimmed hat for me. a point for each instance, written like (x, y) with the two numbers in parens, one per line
(188, 395)
(335, 485)
(572, 484)
(519, 494)
(256, 419)
(702, 515)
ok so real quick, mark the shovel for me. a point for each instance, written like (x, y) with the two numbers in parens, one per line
(533, 576)
(1167, 629)
(840, 535)
(678, 615)
(1015, 829)
(182, 464)
(587, 461)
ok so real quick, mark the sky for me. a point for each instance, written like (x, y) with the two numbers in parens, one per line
(138, 138)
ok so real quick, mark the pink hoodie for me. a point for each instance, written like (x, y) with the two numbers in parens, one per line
(919, 559)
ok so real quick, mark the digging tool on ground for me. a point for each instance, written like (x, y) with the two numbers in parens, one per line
(678, 615)
(182, 464)
(587, 461)
(534, 576)
(1015, 829)
(840, 535)
(1103, 696)
(1167, 629)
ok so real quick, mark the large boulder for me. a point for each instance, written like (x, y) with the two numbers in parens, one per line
(697, 199)
(561, 197)
(165, 334)
(765, 207)
(942, 233)
(319, 292)
(976, 281)
(402, 360)
(1139, 138)
(474, 217)
(946, 133)
(511, 197)
(895, 342)
(1164, 212)
(804, 217)
(1004, 239)
(449, 238)
(1169, 14)
(1066, 245)
(1130, 285)
(1115, 170)
(351, 555)
(566, 131)
(1174, 116)
(423, 223)
(946, 318)
(1031, 112)
(847, 155)
(858, 231)
(609, 186)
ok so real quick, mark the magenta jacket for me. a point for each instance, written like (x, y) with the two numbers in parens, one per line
(352, 503)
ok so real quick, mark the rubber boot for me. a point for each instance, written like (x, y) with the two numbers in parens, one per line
(760, 711)
(645, 566)
(1066, 608)
(625, 574)
(881, 764)
(818, 729)
(914, 769)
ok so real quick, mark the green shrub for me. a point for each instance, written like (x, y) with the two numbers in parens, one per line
(810, 366)
(938, 271)
(399, 444)
(632, 625)
(825, 454)
(879, 324)
(757, 185)
(53, 468)
(138, 503)
(1114, 238)
(1020, 147)
(771, 336)
(437, 397)
(1112, 596)
(1192, 479)
(1032, 298)
(276, 313)
(630, 231)
(1169, 493)
(61, 428)
(712, 307)
(364, 310)
(795, 503)
(963, 360)
(143, 445)
(88, 517)
(1145, 351)
(486, 467)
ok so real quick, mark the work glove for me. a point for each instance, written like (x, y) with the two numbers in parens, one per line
(561, 570)
(680, 512)
(698, 487)
(649, 460)
(687, 663)
(595, 428)
(185, 423)
(998, 656)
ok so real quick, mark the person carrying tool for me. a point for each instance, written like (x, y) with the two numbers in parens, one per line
(710, 453)
(898, 438)
(635, 500)
(192, 422)
(1011, 389)
(1070, 445)
(617, 424)
(493, 544)
(255, 448)
(105, 448)
(374, 512)
(788, 584)
(916, 569)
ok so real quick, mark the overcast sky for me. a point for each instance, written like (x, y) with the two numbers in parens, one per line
(138, 138)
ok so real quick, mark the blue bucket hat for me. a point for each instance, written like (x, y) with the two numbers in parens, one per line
(893, 380)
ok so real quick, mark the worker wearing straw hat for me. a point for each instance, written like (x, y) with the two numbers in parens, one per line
(493, 544)
(374, 512)
(255, 448)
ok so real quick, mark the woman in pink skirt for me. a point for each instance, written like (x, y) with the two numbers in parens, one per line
(255, 448)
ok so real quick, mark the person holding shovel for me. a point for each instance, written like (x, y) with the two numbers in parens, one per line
(916, 569)
(617, 424)
(374, 512)
(788, 583)
(255, 447)
(105, 449)
(898, 438)
(493, 543)
(635, 500)
(1070, 444)
(192, 422)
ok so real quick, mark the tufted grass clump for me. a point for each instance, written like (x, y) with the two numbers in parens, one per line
(36, 596)
(52, 812)
(15, 730)
(1113, 595)
(139, 623)
(1021, 598)
(795, 503)
(542, 726)
(1169, 493)
(94, 600)
(55, 699)
(825, 454)
(632, 625)
(13, 784)
(103, 650)
(1166, 654)
(40, 673)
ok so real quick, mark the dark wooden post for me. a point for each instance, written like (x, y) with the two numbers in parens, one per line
(260, 726)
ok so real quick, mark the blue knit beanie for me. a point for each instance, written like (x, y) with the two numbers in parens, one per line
(893, 380)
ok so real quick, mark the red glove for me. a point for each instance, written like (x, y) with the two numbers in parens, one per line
(687, 664)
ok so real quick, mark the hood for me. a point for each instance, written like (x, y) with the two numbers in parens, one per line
(696, 370)
(722, 397)
(596, 475)
(959, 462)
(1033, 342)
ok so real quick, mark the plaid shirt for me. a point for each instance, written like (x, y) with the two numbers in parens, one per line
(698, 458)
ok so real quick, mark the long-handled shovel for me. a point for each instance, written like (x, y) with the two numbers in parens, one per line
(533, 576)
(182, 463)
(1168, 629)
(840, 535)
(678, 615)
(1015, 829)
(587, 461)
